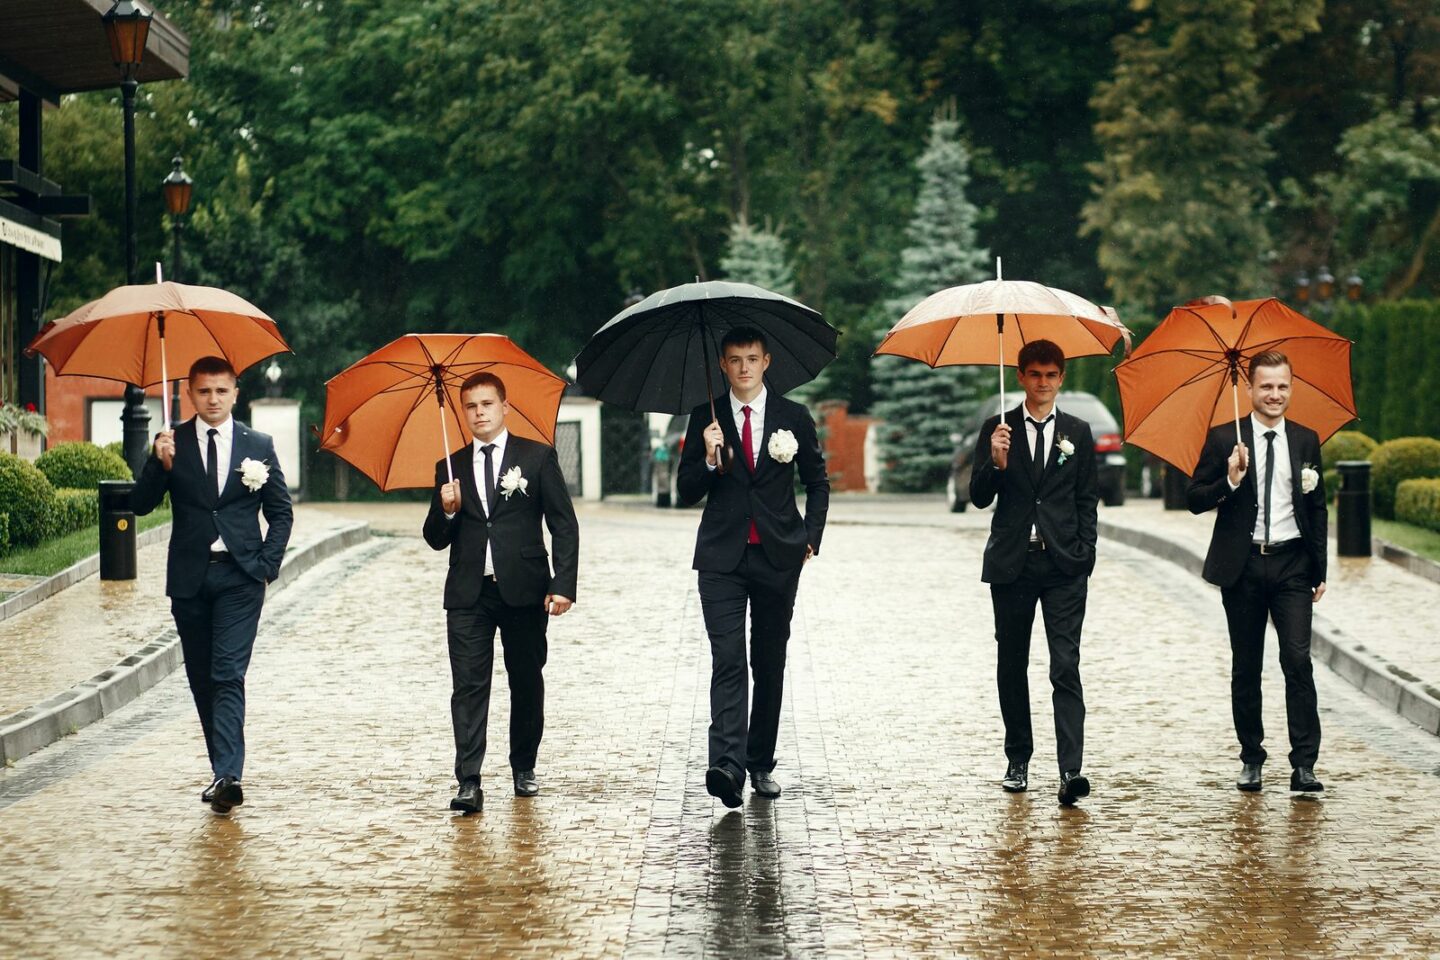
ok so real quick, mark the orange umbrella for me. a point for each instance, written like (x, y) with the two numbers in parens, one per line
(392, 414)
(968, 325)
(1174, 387)
(128, 334)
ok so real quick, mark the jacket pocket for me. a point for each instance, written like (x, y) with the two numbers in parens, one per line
(533, 552)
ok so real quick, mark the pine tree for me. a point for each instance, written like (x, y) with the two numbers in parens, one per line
(757, 255)
(922, 407)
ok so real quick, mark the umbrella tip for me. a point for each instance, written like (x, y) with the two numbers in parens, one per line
(1213, 299)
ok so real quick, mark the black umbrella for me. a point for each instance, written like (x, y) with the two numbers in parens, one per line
(658, 355)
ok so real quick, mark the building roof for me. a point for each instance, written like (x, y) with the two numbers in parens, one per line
(53, 47)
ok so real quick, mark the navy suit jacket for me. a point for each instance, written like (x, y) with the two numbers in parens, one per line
(199, 515)
(1063, 507)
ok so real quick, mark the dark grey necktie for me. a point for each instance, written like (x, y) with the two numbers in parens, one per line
(1269, 477)
(488, 450)
(212, 464)
(1037, 465)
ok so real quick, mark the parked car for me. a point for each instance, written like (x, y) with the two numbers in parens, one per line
(1109, 460)
(665, 461)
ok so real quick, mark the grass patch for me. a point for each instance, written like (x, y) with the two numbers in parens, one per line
(53, 556)
(1422, 541)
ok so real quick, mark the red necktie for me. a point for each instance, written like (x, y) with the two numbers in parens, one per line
(749, 444)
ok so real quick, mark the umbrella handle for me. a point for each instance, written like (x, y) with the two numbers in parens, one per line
(723, 460)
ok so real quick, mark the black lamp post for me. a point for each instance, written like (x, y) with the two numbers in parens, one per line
(1322, 290)
(178, 186)
(127, 27)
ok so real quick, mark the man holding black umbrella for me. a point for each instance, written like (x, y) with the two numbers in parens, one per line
(749, 551)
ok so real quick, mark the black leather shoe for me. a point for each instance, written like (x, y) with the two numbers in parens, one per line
(208, 794)
(1302, 780)
(721, 784)
(227, 795)
(1073, 786)
(764, 784)
(525, 785)
(1249, 779)
(1017, 779)
(470, 799)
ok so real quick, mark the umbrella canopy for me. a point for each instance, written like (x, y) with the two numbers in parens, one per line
(393, 414)
(1184, 378)
(659, 355)
(989, 322)
(119, 336)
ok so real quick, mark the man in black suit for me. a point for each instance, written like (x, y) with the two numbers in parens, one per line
(221, 476)
(750, 548)
(1041, 548)
(489, 516)
(1267, 555)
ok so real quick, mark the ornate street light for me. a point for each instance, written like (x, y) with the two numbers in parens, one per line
(1325, 284)
(1354, 286)
(127, 27)
(177, 187)
(1302, 288)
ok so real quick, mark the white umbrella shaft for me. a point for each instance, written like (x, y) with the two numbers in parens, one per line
(1235, 397)
(1000, 323)
(164, 374)
(445, 438)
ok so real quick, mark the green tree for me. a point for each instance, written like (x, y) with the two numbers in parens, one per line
(922, 407)
(757, 255)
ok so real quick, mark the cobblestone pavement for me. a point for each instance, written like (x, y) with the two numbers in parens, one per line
(93, 624)
(893, 837)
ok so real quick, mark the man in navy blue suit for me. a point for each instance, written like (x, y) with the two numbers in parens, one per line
(221, 476)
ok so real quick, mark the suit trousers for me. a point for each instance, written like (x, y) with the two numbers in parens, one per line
(1062, 603)
(1275, 587)
(217, 634)
(770, 595)
(471, 634)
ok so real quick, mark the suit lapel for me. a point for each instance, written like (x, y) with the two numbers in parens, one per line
(463, 463)
(772, 418)
(726, 415)
(1247, 437)
(1060, 428)
(507, 460)
(187, 458)
(1024, 458)
(239, 450)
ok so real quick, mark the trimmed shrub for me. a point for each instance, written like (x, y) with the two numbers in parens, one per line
(80, 466)
(76, 510)
(1345, 445)
(1394, 462)
(116, 447)
(1418, 502)
(4, 534)
(28, 498)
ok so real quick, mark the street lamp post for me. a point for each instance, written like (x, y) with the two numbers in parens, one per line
(1321, 291)
(178, 186)
(127, 27)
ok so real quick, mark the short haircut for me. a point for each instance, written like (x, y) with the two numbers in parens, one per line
(208, 365)
(1041, 351)
(1267, 358)
(743, 336)
(483, 379)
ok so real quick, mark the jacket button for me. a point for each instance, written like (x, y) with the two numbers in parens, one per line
(488, 524)
(1037, 502)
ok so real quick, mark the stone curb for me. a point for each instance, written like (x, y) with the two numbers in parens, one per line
(1408, 559)
(37, 727)
(1391, 685)
(72, 574)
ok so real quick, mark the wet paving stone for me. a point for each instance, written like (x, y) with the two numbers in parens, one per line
(892, 839)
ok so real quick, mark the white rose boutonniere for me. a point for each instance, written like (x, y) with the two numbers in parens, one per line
(253, 473)
(782, 446)
(512, 482)
(1309, 478)
(1066, 449)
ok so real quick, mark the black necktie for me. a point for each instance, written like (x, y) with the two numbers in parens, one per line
(489, 449)
(212, 464)
(1037, 465)
(1269, 477)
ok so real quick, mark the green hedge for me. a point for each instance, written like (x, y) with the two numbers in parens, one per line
(75, 510)
(81, 466)
(1345, 445)
(28, 498)
(1396, 461)
(1418, 502)
(1395, 364)
(4, 534)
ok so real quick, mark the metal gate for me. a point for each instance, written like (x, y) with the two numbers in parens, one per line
(567, 448)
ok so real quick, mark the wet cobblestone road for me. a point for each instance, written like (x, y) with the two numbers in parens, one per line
(892, 839)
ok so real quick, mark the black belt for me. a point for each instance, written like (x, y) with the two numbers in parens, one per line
(221, 556)
(1036, 545)
(1258, 549)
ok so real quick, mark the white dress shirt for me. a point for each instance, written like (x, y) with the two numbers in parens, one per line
(224, 443)
(757, 424)
(1046, 441)
(1283, 525)
(496, 456)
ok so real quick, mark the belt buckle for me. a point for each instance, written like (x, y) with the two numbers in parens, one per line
(1265, 549)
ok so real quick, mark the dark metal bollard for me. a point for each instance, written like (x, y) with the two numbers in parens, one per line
(117, 530)
(1352, 509)
(1175, 483)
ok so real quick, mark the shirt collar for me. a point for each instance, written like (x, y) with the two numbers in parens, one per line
(1025, 412)
(226, 429)
(499, 442)
(1260, 428)
(757, 406)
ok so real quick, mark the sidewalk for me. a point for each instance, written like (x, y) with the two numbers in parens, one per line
(1380, 617)
(93, 625)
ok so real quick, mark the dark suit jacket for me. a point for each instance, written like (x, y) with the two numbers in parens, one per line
(522, 570)
(199, 515)
(768, 496)
(1235, 519)
(1062, 508)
